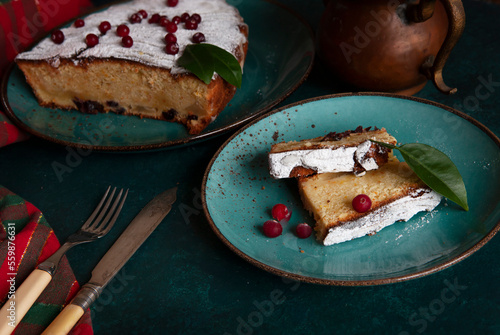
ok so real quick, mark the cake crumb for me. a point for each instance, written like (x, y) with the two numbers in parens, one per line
(276, 135)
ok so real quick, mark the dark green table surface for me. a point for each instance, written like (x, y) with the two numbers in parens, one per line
(183, 280)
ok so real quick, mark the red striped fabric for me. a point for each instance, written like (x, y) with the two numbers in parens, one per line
(32, 240)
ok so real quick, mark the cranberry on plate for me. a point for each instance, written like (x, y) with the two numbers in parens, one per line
(281, 213)
(303, 230)
(272, 228)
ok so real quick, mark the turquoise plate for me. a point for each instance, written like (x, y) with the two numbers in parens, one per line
(279, 58)
(238, 192)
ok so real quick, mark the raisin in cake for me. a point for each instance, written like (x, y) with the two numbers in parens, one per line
(138, 76)
(395, 190)
(349, 151)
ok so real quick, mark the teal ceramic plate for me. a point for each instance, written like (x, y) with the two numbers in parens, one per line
(238, 193)
(279, 58)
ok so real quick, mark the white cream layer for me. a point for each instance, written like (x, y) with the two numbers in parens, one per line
(323, 160)
(401, 209)
(220, 25)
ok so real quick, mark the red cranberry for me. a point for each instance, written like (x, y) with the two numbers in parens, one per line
(92, 40)
(272, 228)
(143, 13)
(176, 19)
(135, 18)
(170, 38)
(79, 23)
(127, 41)
(171, 27)
(198, 38)
(104, 26)
(361, 203)
(172, 3)
(196, 17)
(163, 21)
(172, 48)
(155, 18)
(281, 213)
(191, 24)
(185, 17)
(122, 30)
(303, 230)
(57, 36)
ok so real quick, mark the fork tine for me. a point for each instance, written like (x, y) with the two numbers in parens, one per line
(110, 212)
(111, 222)
(98, 220)
(96, 210)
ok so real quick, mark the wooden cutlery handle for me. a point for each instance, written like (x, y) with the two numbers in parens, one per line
(65, 321)
(70, 315)
(21, 301)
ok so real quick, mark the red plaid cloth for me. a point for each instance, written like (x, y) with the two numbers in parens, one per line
(22, 22)
(34, 242)
(8, 132)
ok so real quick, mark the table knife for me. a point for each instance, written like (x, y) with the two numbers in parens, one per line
(120, 252)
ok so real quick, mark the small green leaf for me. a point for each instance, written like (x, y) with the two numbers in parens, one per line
(435, 169)
(204, 59)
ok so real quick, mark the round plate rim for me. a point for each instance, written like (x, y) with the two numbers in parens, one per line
(334, 282)
(164, 144)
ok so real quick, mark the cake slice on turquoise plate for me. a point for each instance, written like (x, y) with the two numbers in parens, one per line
(396, 194)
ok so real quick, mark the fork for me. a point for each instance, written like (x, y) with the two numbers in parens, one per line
(21, 301)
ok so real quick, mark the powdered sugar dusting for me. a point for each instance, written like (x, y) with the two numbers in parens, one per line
(326, 159)
(220, 25)
(401, 209)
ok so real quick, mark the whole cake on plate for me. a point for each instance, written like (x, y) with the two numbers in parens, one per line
(121, 60)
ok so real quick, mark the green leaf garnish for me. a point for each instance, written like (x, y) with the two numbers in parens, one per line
(435, 169)
(204, 59)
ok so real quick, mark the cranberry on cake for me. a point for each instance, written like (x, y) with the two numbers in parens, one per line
(124, 60)
(349, 151)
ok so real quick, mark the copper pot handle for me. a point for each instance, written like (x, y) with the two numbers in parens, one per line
(433, 68)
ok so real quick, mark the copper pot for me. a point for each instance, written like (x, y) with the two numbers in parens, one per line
(390, 45)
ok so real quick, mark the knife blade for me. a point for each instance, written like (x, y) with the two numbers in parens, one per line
(120, 252)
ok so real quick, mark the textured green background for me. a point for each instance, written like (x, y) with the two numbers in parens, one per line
(185, 281)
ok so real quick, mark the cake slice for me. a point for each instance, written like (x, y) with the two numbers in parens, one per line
(349, 151)
(139, 76)
(395, 190)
